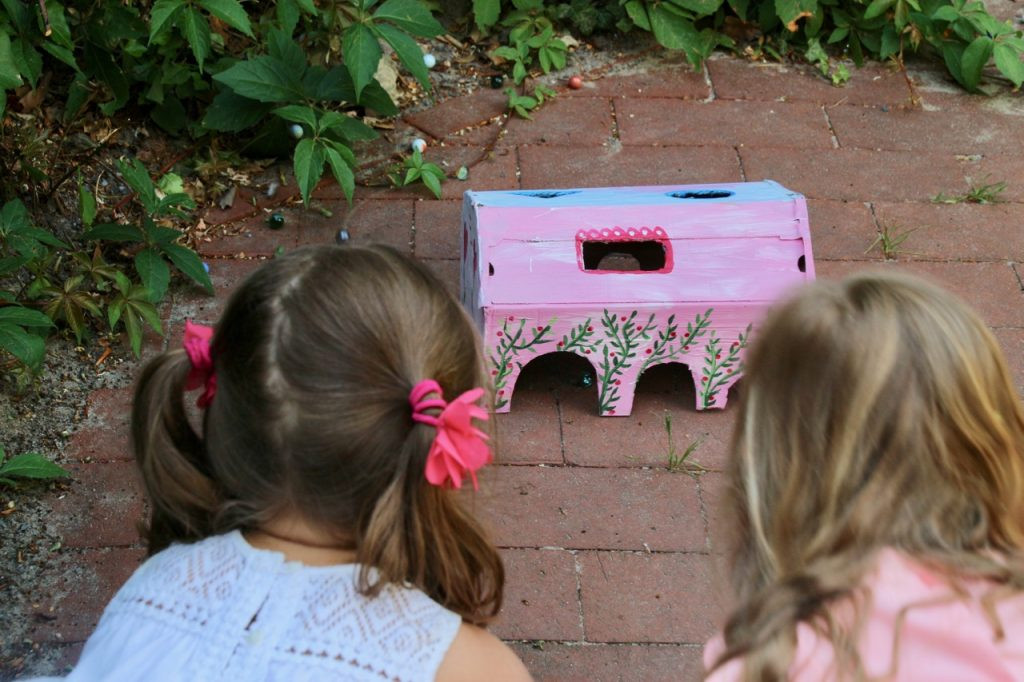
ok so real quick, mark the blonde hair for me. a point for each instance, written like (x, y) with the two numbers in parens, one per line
(877, 412)
(315, 356)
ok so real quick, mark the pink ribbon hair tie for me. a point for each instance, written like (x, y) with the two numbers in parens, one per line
(197, 347)
(459, 447)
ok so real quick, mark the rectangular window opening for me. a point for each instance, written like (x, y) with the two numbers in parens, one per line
(623, 256)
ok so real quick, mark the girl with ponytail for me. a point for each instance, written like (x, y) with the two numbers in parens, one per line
(309, 530)
(877, 494)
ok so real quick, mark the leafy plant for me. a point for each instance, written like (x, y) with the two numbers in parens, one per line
(157, 242)
(29, 465)
(430, 174)
(132, 306)
(16, 338)
(522, 105)
(986, 193)
(682, 461)
(889, 240)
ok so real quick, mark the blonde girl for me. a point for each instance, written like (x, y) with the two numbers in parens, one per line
(309, 530)
(878, 493)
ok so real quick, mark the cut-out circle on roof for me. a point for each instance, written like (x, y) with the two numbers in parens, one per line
(702, 194)
(547, 194)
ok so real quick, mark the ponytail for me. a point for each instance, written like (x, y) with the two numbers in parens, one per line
(420, 533)
(171, 456)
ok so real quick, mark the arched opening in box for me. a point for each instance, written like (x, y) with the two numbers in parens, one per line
(624, 256)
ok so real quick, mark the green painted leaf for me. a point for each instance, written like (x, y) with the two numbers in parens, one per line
(974, 59)
(486, 13)
(24, 317)
(410, 15)
(186, 260)
(196, 30)
(408, 52)
(113, 232)
(361, 52)
(153, 272)
(341, 171)
(263, 79)
(231, 13)
(1009, 64)
(31, 465)
(163, 15)
(27, 348)
(309, 166)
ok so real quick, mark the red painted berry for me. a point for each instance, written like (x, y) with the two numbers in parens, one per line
(618, 382)
(728, 371)
(735, 343)
(540, 328)
(686, 335)
(511, 318)
(509, 365)
(611, 411)
(590, 329)
(560, 344)
(686, 348)
(500, 334)
(623, 318)
(501, 392)
(587, 351)
(718, 356)
(649, 351)
(704, 380)
(494, 372)
(639, 327)
(672, 335)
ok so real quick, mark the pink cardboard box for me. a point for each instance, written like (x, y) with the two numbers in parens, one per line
(629, 278)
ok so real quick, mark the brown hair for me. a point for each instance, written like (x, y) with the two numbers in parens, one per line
(315, 356)
(876, 412)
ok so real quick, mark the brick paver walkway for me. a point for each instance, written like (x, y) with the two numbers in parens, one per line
(614, 562)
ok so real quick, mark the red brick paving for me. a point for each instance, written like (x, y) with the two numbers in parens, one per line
(616, 566)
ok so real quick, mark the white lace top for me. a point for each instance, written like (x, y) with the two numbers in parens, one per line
(223, 610)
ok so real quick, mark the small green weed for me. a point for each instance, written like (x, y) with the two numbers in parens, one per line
(986, 193)
(430, 174)
(522, 105)
(889, 239)
(682, 461)
(28, 466)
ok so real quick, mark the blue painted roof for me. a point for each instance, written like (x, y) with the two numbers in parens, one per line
(734, 192)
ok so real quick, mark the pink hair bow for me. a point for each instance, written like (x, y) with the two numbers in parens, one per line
(197, 346)
(459, 447)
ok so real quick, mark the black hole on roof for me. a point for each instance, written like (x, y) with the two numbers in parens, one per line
(547, 194)
(702, 194)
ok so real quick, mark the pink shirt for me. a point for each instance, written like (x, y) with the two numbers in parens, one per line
(947, 641)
